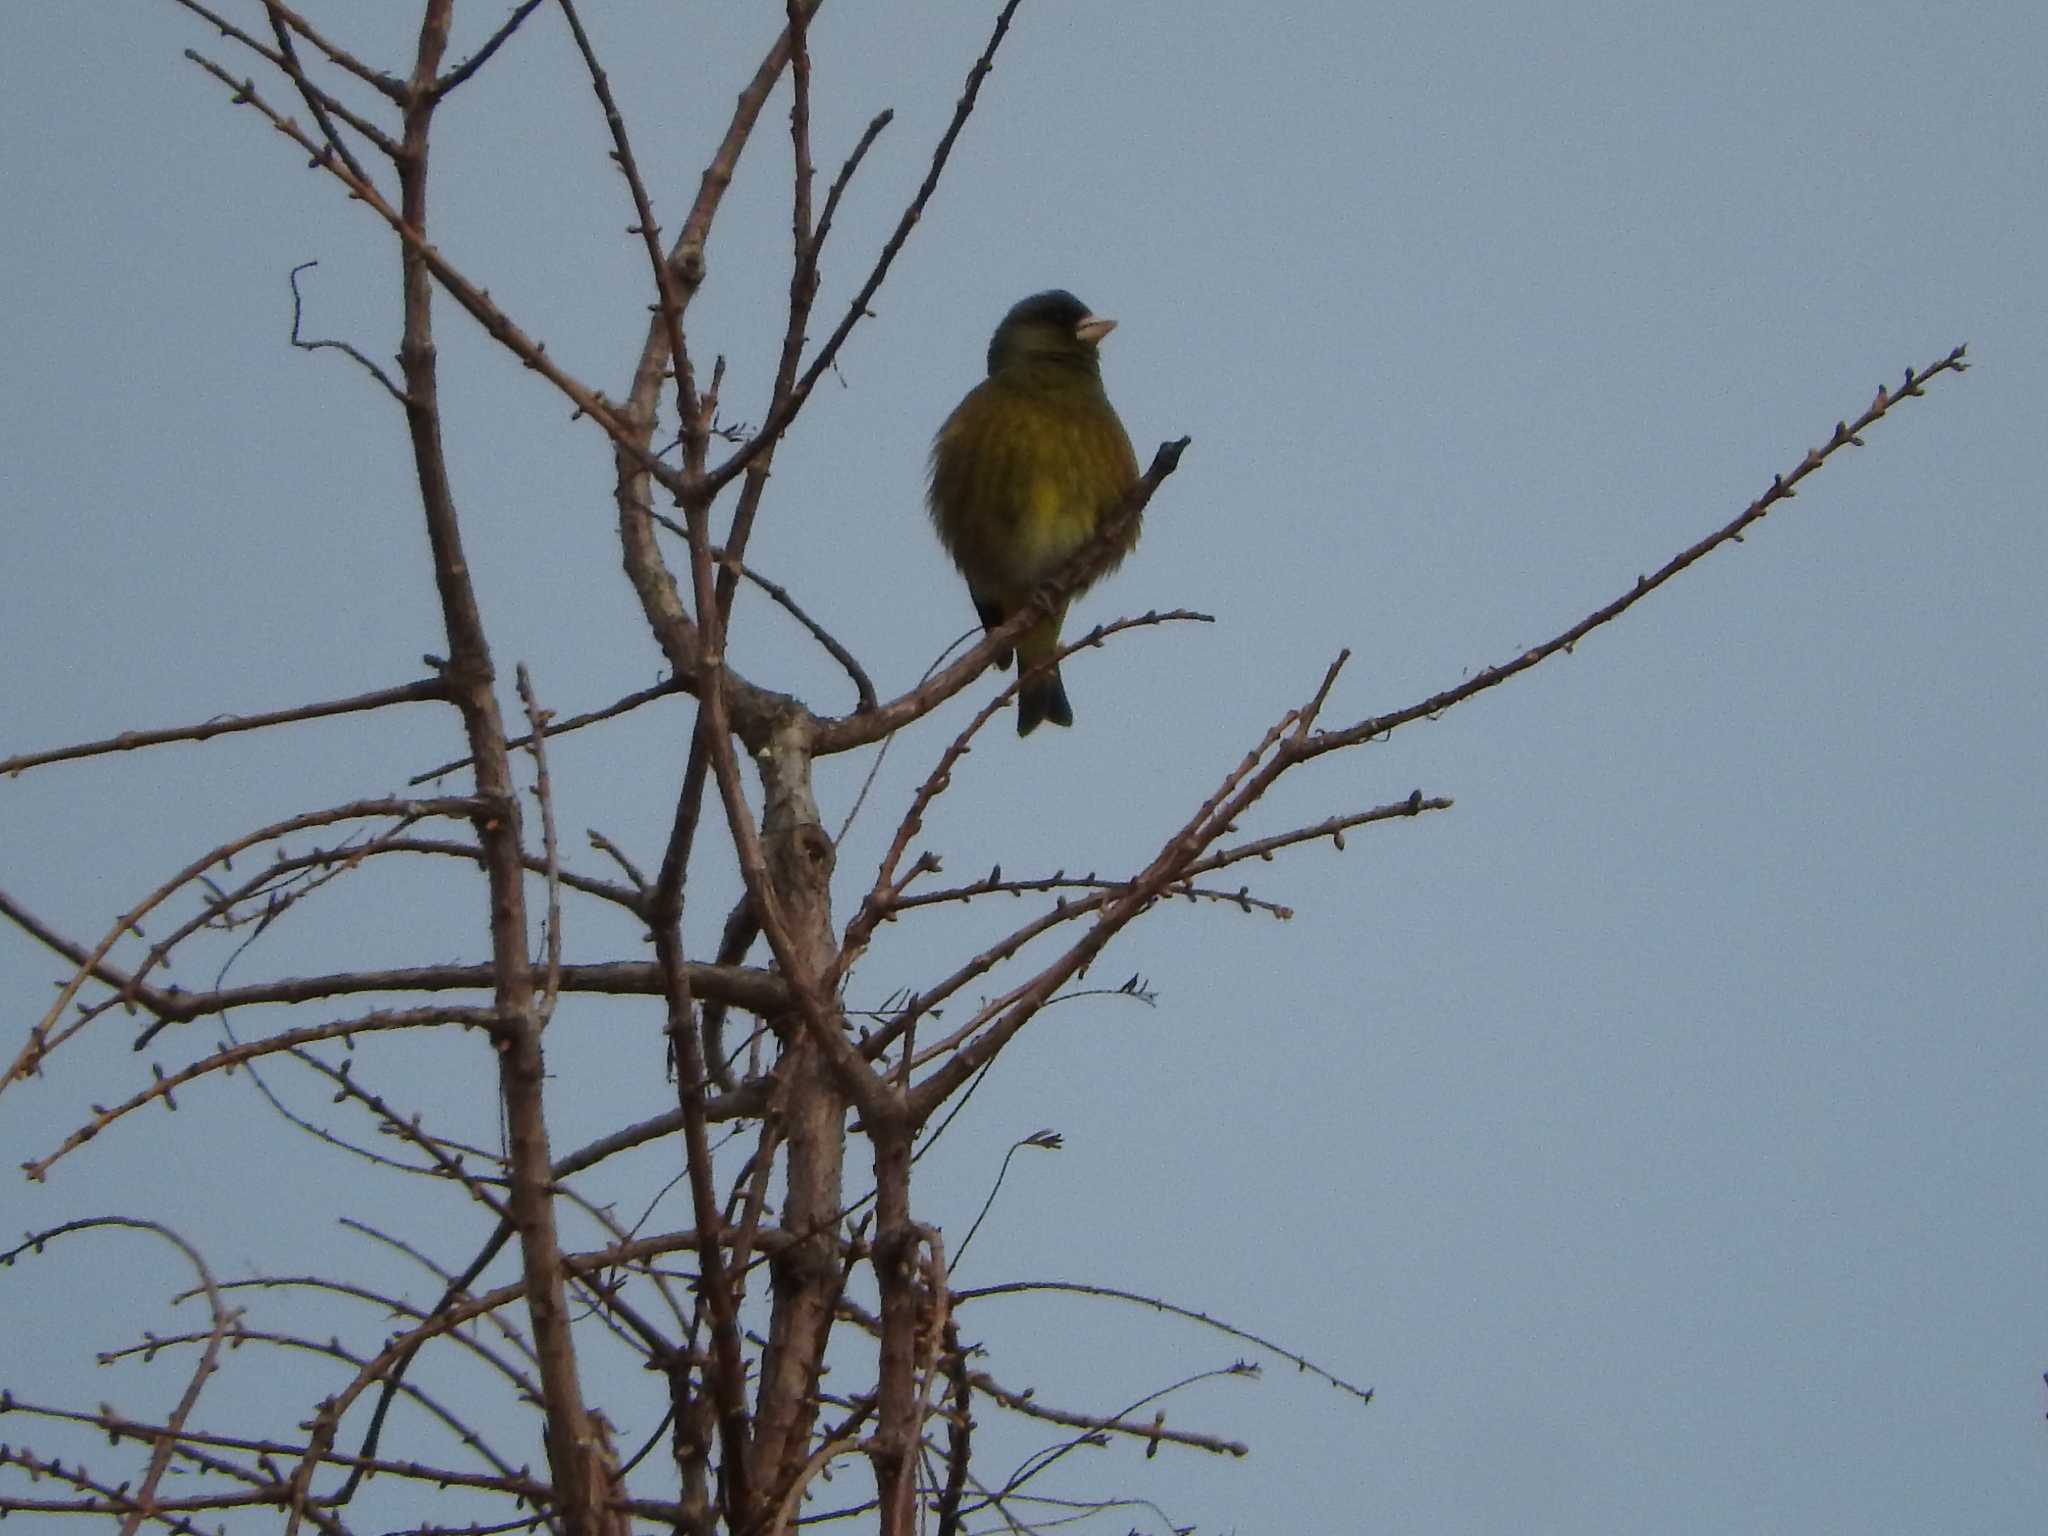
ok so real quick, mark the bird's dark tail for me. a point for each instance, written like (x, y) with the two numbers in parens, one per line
(1042, 698)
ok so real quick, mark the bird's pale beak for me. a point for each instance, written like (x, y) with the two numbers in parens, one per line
(1093, 328)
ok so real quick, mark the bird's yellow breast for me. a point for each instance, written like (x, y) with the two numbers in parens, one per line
(1021, 478)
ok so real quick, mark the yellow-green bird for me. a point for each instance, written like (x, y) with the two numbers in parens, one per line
(1024, 471)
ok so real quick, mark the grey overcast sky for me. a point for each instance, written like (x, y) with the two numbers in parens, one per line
(1660, 1132)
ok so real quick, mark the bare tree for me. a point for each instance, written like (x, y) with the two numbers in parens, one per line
(798, 1119)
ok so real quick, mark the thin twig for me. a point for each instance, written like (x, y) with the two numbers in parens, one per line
(886, 892)
(1115, 1424)
(868, 136)
(288, 54)
(33, 1050)
(388, 85)
(786, 410)
(472, 298)
(348, 348)
(492, 44)
(1299, 1361)
(611, 711)
(1045, 1141)
(537, 730)
(1096, 1430)
(863, 686)
(287, 65)
(168, 1082)
(426, 690)
(1846, 435)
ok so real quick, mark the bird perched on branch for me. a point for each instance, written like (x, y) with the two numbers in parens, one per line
(1023, 473)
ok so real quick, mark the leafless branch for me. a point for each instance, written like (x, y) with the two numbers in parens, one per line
(426, 690)
(543, 794)
(353, 352)
(285, 17)
(786, 409)
(1114, 1293)
(41, 1035)
(166, 1083)
(476, 61)
(1155, 1432)
(322, 103)
(496, 324)
(611, 711)
(1783, 488)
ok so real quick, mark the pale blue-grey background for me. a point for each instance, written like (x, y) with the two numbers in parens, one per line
(1660, 1131)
